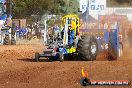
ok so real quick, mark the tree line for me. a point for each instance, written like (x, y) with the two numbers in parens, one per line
(27, 8)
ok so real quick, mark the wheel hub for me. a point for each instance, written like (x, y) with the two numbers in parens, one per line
(93, 48)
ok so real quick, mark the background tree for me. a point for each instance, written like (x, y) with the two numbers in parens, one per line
(26, 8)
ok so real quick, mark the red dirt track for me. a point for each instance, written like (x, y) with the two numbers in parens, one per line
(17, 69)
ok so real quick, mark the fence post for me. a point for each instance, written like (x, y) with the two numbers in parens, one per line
(45, 32)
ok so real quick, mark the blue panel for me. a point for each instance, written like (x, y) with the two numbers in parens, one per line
(99, 44)
(106, 37)
(114, 40)
(3, 17)
(63, 50)
(71, 38)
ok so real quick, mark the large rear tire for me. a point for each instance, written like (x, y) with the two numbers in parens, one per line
(87, 48)
(7, 40)
(13, 41)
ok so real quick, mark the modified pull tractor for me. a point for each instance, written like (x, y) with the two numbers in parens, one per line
(68, 42)
(7, 27)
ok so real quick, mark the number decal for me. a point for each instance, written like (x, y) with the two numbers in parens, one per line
(97, 7)
(92, 7)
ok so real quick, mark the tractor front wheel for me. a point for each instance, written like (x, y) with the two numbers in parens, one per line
(61, 57)
(37, 57)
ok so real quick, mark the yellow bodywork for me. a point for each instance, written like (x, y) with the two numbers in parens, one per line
(71, 50)
(75, 24)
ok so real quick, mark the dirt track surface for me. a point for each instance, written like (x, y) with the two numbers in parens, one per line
(17, 69)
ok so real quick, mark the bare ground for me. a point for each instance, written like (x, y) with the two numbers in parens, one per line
(17, 69)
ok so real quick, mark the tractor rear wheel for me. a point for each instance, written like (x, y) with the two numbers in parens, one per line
(87, 48)
(13, 41)
(7, 40)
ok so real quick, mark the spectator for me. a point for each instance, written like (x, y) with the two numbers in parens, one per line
(8, 22)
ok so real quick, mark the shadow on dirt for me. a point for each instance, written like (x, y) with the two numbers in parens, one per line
(42, 59)
(57, 59)
(103, 56)
(32, 60)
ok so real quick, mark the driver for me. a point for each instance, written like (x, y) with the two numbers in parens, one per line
(8, 22)
(57, 31)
